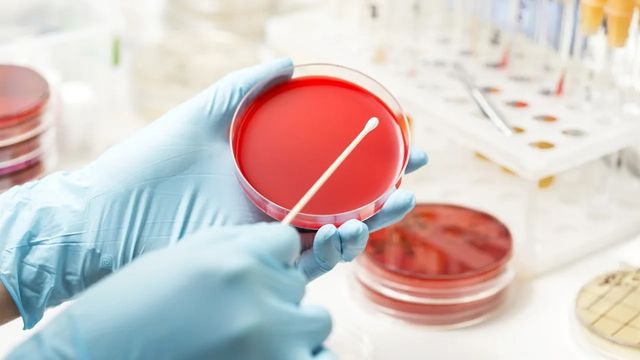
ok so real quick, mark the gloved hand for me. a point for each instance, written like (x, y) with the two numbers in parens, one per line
(176, 176)
(223, 293)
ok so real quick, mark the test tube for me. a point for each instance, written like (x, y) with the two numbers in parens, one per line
(591, 16)
(585, 59)
(375, 23)
(480, 28)
(565, 39)
(619, 14)
(632, 93)
(618, 21)
(520, 48)
(505, 13)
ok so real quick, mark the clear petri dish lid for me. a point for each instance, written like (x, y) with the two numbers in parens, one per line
(289, 128)
(416, 294)
(23, 94)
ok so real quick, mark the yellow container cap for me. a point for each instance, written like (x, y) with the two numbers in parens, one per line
(618, 30)
(591, 16)
(619, 13)
(620, 7)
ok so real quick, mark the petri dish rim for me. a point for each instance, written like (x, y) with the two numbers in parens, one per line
(36, 104)
(257, 88)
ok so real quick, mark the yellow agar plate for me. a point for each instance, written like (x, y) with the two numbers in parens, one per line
(608, 307)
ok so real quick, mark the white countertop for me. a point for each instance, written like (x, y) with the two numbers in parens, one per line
(536, 323)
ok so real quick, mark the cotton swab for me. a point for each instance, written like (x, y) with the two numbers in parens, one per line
(369, 126)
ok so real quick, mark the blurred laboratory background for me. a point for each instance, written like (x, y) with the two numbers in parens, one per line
(529, 111)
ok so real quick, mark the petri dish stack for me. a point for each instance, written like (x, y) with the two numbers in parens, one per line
(444, 266)
(26, 132)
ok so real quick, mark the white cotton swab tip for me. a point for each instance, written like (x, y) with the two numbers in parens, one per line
(368, 127)
(371, 124)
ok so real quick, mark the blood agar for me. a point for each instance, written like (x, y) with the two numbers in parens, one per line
(286, 134)
(24, 122)
(443, 265)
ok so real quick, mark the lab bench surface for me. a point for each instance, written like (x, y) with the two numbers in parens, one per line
(537, 322)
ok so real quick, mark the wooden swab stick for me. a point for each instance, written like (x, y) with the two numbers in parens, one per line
(369, 126)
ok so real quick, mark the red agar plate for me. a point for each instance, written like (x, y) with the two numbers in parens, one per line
(442, 265)
(443, 245)
(23, 94)
(287, 131)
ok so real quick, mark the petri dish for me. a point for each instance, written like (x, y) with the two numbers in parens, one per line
(608, 312)
(21, 173)
(24, 94)
(443, 265)
(288, 130)
(24, 148)
(26, 141)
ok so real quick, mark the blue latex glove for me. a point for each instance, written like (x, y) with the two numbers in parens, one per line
(223, 293)
(63, 233)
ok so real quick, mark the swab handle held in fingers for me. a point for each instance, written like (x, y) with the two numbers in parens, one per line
(371, 124)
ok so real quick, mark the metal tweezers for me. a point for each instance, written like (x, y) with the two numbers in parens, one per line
(484, 103)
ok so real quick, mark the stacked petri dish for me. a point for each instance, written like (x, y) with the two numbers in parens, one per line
(442, 266)
(26, 119)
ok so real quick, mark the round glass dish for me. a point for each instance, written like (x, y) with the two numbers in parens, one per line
(289, 128)
(443, 265)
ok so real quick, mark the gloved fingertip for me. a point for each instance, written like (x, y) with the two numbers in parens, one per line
(400, 201)
(352, 227)
(324, 233)
(397, 206)
(417, 159)
(327, 241)
(281, 63)
(324, 254)
(353, 235)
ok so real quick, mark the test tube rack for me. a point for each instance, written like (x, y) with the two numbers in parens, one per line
(590, 203)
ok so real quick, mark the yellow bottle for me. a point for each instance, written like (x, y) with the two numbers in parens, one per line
(619, 14)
